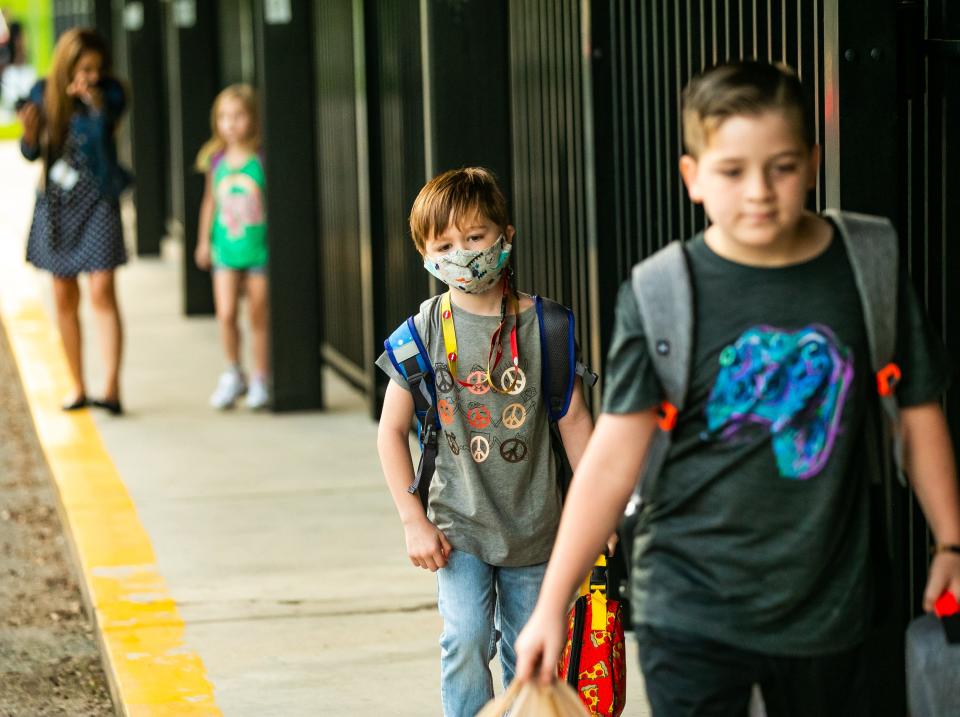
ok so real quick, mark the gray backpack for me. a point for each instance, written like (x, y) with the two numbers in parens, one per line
(933, 668)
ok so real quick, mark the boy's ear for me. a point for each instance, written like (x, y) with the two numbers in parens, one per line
(509, 232)
(688, 170)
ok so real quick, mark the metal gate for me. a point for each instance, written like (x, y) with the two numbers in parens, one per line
(643, 54)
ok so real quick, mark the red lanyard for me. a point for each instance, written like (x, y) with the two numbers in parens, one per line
(450, 342)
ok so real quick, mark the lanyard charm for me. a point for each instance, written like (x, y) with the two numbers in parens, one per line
(450, 342)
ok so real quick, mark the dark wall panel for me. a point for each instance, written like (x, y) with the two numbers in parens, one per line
(398, 169)
(75, 13)
(237, 42)
(287, 114)
(549, 157)
(469, 86)
(929, 161)
(643, 54)
(148, 123)
(338, 196)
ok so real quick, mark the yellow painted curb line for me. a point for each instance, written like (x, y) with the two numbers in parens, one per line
(152, 673)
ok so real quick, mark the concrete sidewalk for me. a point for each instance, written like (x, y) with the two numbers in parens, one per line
(275, 534)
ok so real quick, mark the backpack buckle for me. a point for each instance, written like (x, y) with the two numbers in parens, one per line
(429, 434)
(667, 416)
(887, 379)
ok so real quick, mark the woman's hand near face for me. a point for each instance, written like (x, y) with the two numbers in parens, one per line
(85, 92)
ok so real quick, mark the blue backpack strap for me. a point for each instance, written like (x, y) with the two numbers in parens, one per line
(409, 356)
(558, 356)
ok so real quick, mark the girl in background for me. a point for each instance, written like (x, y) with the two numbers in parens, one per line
(69, 121)
(232, 239)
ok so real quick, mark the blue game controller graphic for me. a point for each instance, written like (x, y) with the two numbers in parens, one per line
(793, 385)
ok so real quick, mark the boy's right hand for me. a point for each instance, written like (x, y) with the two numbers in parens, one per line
(427, 546)
(539, 645)
(202, 255)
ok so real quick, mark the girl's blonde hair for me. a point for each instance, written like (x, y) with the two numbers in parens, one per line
(57, 104)
(248, 98)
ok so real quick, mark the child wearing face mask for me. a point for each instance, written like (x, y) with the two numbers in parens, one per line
(494, 502)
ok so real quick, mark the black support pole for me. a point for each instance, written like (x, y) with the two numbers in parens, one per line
(460, 69)
(196, 74)
(284, 52)
(103, 19)
(142, 22)
(861, 148)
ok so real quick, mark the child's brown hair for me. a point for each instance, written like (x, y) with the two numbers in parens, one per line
(747, 88)
(456, 196)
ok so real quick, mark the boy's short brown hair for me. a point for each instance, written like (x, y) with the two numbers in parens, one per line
(456, 196)
(742, 88)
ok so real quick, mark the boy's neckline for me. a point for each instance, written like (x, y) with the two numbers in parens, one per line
(526, 303)
(806, 261)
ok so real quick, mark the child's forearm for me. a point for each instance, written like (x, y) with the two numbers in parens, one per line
(206, 222)
(598, 494)
(394, 449)
(576, 427)
(932, 469)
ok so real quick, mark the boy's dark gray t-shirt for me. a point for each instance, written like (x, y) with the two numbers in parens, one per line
(495, 493)
(757, 532)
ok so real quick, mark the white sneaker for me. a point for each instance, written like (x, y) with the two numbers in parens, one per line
(259, 395)
(230, 387)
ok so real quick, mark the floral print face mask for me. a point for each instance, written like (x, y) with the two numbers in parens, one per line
(472, 272)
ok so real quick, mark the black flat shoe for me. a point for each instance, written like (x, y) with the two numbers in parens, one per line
(114, 408)
(76, 405)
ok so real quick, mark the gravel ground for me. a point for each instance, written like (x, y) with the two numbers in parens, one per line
(49, 659)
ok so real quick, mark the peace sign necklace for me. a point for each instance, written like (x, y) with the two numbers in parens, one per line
(450, 341)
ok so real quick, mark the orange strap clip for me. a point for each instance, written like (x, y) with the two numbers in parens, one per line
(887, 379)
(668, 416)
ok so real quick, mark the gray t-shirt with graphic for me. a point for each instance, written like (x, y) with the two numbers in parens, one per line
(757, 531)
(495, 492)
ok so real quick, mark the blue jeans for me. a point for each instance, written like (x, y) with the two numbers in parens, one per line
(480, 604)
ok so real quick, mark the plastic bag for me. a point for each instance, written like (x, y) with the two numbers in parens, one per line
(531, 699)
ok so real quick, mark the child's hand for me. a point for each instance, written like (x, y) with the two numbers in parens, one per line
(202, 255)
(612, 543)
(427, 546)
(82, 90)
(29, 117)
(944, 575)
(538, 647)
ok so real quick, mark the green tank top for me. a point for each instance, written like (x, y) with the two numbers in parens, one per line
(239, 223)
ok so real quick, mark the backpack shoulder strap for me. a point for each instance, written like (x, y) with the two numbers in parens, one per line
(560, 364)
(557, 358)
(409, 356)
(871, 244)
(873, 251)
(664, 293)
